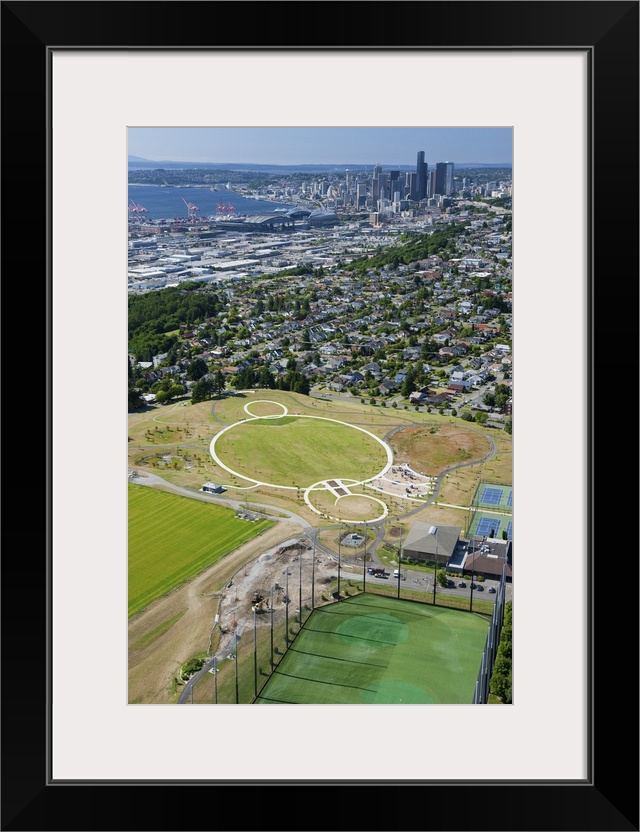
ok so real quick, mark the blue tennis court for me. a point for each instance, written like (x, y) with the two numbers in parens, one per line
(509, 530)
(487, 525)
(491, 496)
(510, 499)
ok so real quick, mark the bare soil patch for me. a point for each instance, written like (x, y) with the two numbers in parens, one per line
(432, 449)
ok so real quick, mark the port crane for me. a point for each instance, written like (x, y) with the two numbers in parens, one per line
(134, 208)
(191, 209)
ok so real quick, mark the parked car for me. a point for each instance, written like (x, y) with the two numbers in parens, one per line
(480, 588)
(462, 584)
(491, 589)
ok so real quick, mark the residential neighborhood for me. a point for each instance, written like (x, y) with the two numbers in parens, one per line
(321, 309)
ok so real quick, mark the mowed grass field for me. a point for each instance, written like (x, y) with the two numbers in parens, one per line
(375, 650)
(300, 451)
(173, 538)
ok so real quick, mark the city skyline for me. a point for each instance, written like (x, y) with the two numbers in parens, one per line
(322, 145)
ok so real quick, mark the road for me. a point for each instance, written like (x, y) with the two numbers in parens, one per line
(145, 478)
(418, 581)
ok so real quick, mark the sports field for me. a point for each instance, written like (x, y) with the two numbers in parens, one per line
(375, 650)
(173, 538)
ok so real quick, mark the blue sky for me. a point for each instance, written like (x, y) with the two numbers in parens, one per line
(322, 145)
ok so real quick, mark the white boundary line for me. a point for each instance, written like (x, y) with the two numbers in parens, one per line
(285, 412)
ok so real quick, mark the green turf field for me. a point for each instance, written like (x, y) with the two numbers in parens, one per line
(299, 451)
(374, 650)
(172, 538)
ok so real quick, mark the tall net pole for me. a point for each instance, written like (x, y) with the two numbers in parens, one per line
(400, 562)
(313, 577)
(435, 571)
(237, 689)
(339, 567)
(286, 608)
(300, 586)
(255, 655)
(271, 611)
(472, 579)
(364, 568)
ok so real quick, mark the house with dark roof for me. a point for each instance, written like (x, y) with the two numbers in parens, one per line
(431, 543)
(486, 557)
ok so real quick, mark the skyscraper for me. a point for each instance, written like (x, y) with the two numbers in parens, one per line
(421, 177)
(439, 185)
(444, 178)
(448, 179)
(375, 184)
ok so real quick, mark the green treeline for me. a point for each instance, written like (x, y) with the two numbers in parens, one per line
(156, 313)
(262, 377)
(419, 247)
(501, 677)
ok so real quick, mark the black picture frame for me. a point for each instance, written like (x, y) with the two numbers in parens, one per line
(608, 798)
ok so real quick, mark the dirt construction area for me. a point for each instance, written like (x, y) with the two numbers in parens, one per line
(183, 624)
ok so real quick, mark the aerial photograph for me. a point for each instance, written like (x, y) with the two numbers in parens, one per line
(320, 404)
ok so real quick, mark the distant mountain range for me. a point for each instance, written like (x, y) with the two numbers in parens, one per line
(141, 163)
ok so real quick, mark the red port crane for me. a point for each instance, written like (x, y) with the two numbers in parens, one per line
(134, 208)
(191, 209)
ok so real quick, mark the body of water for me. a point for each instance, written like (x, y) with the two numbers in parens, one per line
(168, 203)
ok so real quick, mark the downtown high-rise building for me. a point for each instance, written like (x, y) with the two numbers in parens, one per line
(376, 184)
(422, 169)
(442, 183)
(448, 179)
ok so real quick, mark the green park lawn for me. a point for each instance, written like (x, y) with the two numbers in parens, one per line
(300, 451)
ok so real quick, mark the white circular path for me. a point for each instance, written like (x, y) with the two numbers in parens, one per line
(322, 485)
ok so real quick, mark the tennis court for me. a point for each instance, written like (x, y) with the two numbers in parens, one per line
(488, 527)
(483, 525)
(376, 650)
(491, 495)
